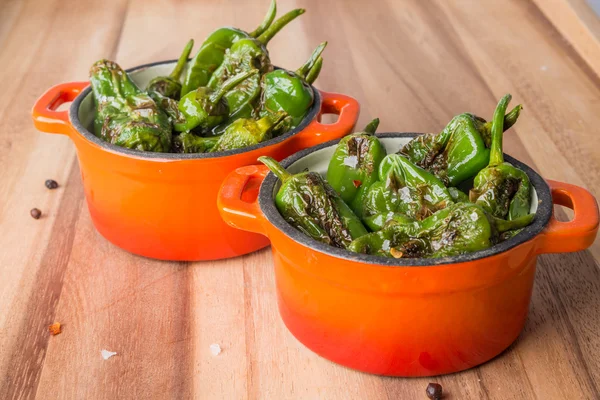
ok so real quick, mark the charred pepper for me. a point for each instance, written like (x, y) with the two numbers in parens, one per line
(291, 92)
(126, 116)
(169, 86)
(501, 189)
(458, 229)
(205, 107)
(188, 142)
(403, 188)
(247, 54)
(308, 203)
(246, 132)
(460, 151)
(354, 166)
(212, 52)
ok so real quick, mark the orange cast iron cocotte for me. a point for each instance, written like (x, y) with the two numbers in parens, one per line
(163, 205)
(405, 317)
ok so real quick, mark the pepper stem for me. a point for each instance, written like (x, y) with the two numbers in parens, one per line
(267, 21)
(230, 84)
(182, 60)
(276, 26)
(372, 126)
(511, 118)
(496, 155)
(503, 225)
(275, 168)
(305, 69)
(314, 72)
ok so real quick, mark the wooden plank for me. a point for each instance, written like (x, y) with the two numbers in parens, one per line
(414, 64)
(579, 24)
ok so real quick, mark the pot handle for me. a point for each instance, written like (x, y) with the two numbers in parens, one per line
(238, 198)
(316, 133)
(575, 235)
(44, 114)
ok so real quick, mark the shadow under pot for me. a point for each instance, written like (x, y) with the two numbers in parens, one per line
(405, 317)
(164, 205)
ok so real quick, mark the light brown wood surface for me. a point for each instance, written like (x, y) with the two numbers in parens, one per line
(412, 63)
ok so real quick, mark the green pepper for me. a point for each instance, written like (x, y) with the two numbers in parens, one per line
(246, 132)
(205, 107)
(188, 142)
(403, 188)
(458, 196)
(458, 229)
(126, 116)
(460, 151)
(501, 189)
(291, 92)
(354, 166)
(212, 52)
(169, 86)
(308, 203)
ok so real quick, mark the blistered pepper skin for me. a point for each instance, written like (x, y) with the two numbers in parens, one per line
(126, 116)
(354, 166)
(501, 189)
(458, 229)
(308, 203)
(403, 188)
(212, 52)
(291, 92)
(460, 151)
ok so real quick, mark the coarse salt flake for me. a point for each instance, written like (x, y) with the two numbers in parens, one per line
(215, 349)
(351, 161)
(107, 354)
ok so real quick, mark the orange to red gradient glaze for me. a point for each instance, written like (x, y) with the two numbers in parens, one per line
(407, 320)
(166, 208)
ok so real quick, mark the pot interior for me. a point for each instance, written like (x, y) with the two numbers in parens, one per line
(82, 113)
(317, 159)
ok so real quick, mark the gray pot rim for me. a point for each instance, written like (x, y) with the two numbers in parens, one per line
(268, 208)
(148, 155)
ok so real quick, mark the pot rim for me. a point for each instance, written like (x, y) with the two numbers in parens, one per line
(156, 156)
(272, 215)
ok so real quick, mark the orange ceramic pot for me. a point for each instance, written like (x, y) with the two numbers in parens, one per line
(405, 317)
(163, 205)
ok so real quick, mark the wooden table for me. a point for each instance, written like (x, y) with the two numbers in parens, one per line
(412, 63)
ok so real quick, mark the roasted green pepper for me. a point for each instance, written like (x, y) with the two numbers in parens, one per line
(212, 52)
(187, 142)
(458, 229)
(308, 203)
(501, 189)
(246, 132)
(403, 188)
(460, 151)
(126, 116)
(205, 107)
(246, 54)
(291, 92)
(354, 166)
(169, 86)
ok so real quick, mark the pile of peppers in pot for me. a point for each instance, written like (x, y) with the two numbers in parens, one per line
(230, 96)
(440, 195)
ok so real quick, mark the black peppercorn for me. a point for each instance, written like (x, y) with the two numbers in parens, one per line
(434, 391)
(51, 184)
(35, 213)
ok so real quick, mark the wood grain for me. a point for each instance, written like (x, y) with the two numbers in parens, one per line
(414, 64)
